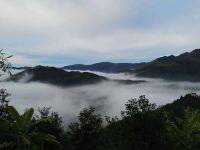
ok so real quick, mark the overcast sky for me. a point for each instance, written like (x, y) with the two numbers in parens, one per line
(61, 32)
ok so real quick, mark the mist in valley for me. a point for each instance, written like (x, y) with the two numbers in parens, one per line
(108, 97)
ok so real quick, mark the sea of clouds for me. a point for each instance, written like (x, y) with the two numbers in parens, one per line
(108, 97)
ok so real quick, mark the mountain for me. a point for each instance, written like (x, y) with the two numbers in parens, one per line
(191, 100)
(60, 77)
(107, 67)
(56, 76)
(21, 68)
(185, 67)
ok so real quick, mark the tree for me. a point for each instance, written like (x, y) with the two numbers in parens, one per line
(49, 122)
(44, 112)
(22, 124)
(141, 127)
(135, 106)
(5, 66)
(4, 101)
(26, 138)
(185, 132)
(84, 133)
(5, 128)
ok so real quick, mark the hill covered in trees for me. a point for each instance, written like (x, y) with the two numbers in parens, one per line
(60, 77)
(56, 76)
(107, 67)
(185, 67)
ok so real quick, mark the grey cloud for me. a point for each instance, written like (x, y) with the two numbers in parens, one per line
(104, 29)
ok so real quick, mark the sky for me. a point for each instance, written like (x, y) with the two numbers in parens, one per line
(63, 32)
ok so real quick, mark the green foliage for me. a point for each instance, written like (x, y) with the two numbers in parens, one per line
(141, 128)
(22, 122)
(185, 132)
(6, 131)
(7, 135)
(5, 66)
(49, 123)
(84, 133)
(135, 106)
(26, 137)
(19, 131)
(4, 101)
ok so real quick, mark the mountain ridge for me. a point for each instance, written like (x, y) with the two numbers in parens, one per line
(107, 67)
(57, 76)
(184, 67)
(60, 77)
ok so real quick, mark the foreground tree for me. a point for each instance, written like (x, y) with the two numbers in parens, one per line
(5, 66)
(5, 129)
(84, 133)
(4, 101)
(49, 122)
(141, 128)
(26, 137)
(185, 132)
(135, 106)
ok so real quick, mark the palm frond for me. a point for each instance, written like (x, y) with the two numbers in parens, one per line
(26, 118)
(45, 137)
(15, 115)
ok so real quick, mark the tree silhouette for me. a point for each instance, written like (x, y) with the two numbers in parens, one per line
(84, 131)
(4, 101)
(135, 106)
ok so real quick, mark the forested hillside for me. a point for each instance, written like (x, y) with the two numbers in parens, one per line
(185, 67)
(107, 67)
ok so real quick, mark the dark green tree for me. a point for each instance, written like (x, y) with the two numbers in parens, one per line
(141, 128)
(5, 66)
(26, 137)
(185, 132)
(4, 101)
(49, 122)
(84, 133)
(5, 129)
(135, 106)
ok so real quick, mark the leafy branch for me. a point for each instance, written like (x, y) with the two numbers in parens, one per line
(5, 66)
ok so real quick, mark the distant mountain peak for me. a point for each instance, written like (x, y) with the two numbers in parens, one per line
(185, 67)
(196, 52)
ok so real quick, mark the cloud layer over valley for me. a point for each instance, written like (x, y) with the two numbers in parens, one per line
(108, 97)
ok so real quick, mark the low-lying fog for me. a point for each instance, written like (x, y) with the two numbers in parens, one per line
(108, 97)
